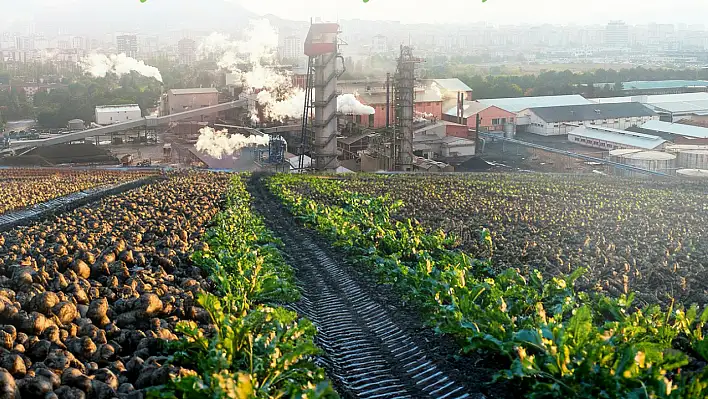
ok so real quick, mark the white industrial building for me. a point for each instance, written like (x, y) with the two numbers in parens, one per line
(670, 107)
(556, 121)
(606, 138)
(110, 114)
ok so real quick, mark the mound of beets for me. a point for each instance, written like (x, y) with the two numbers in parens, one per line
(89, 298)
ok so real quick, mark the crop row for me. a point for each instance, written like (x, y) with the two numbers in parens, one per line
(132, 295)
(557, 341)
(631, 237)
(20, 188)
(255, 349)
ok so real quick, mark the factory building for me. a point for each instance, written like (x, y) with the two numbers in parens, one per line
(110, 114)
(428, 104)
(518, 104)
(670, 107)
(180, 100)
(675, 132)
(555, 121)
(664, 86)
(491, 117)
(611, 139)
(434, 142)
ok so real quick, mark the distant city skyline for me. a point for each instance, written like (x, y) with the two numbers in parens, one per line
(493, 11)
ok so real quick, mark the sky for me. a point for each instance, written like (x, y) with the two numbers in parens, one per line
(88, 16)
(580, 12)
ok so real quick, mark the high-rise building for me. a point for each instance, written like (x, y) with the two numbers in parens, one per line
(617, 34)
(292, 47)
(128, 44)
(187, 50)
(24, 43)
(78, 42)
(379, 44)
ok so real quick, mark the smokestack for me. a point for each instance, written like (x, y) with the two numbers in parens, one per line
(388, 99)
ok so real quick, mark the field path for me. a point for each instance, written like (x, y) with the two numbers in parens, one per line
(367, 355)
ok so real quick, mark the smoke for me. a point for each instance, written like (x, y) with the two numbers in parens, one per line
(348, 104)
(99, 65)
(218, 143)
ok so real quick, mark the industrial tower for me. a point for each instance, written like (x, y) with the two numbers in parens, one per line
(404, 103)
(321, 47)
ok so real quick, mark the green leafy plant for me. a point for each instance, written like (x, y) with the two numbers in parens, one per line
(559, 342)
(255, 349)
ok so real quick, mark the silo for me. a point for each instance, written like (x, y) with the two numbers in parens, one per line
(651, 160)
(692, 159)
(701, 174)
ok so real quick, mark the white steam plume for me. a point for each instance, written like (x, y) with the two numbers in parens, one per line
(99, 65)
(252, 62)
(218, 143)
(348, 104)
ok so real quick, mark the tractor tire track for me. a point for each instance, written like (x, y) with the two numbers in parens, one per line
(366, 354)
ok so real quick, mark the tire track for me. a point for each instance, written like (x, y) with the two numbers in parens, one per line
(367, 354)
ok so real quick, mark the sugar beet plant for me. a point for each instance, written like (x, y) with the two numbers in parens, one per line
(559, 342)
(255, 349)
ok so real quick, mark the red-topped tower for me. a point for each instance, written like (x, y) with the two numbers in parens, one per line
(321, 46)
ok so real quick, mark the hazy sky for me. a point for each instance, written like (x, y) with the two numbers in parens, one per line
(494, 11)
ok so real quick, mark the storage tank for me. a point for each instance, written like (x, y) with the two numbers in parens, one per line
(651, 160)
(692, 159)
(693, 173)
(509, 130)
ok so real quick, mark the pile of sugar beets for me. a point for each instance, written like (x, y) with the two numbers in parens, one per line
(89, 298)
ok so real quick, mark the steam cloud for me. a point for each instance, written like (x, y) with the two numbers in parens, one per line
(253, 61)
(218, 143)
(99, 65)
(348, 104)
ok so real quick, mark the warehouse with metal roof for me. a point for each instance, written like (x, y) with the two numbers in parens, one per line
(554, 121)
(677, 133)
(518, 104)
(610, 139)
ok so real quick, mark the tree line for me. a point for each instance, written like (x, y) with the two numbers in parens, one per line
(551, 83)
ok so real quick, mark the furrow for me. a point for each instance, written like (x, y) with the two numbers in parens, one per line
(366, 353)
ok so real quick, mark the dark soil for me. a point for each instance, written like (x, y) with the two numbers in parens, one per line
(473, 370)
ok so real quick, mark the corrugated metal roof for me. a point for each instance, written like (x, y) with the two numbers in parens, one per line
(682, 106)
(453, 84)
(589, 112)
(117, 108)
(654, 99)
(663, 84)
(470, 108)
(677, 129)
(204, 90)
(621, 137)
(518, 104)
